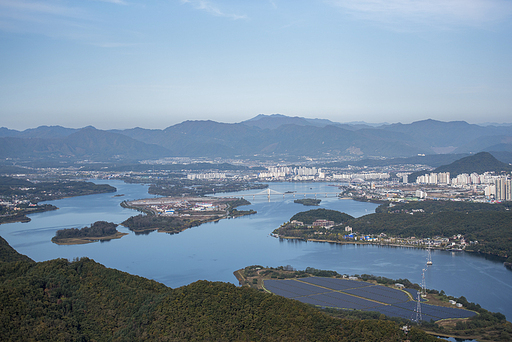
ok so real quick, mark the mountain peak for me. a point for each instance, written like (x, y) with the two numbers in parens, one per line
(479, 163)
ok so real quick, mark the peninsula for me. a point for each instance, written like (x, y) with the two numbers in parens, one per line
(175, 214)
(457, 226)
(20, 197)
(367, 296)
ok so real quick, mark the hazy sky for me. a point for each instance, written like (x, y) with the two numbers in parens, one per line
(152, 64)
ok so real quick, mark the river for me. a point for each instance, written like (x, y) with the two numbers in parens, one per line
(213, 251)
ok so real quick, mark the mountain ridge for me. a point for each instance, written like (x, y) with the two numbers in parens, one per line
(262, 135)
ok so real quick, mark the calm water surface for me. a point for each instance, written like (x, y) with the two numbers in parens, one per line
(214, 250)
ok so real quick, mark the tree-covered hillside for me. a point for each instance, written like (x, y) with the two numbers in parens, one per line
(9, 254)
(58, 300)
(489, 224)
(310, 216)
(479, 163)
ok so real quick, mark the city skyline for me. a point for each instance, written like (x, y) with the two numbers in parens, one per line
(123, 64)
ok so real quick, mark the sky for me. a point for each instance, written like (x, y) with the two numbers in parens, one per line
(156, 63)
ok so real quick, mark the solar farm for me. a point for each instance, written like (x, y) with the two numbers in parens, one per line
(359, 295)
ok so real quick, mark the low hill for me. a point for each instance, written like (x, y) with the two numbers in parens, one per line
(310, 216)
(479, 163)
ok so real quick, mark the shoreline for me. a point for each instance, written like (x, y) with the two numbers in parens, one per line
(22, 216)
(501, 259)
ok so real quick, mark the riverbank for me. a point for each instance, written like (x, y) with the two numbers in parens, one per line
(21, 214)
(508, 265)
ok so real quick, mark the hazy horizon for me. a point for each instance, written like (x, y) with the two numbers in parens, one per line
(132, 63)
(375, 124)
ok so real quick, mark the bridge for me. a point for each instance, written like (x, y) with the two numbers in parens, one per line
(269, 192)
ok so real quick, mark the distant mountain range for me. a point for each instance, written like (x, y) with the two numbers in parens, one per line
(267, 135)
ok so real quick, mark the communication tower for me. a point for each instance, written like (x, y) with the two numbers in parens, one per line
(423, 285)
(418, 309)
(429, 257)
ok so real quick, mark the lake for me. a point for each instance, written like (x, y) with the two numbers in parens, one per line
(213, 251)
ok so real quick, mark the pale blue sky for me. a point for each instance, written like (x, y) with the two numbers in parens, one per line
(152, 64)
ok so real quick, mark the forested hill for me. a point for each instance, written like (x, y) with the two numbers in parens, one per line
(58, 300)
(310, 216)
(479, 163)
(9, 254)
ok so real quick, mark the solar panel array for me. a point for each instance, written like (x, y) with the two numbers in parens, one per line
(439, 312)
(380, 293)
(358, 295)
(334, 283)
(339, 300)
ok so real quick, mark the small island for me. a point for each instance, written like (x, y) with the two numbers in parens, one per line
(308, 201)
(98, 231)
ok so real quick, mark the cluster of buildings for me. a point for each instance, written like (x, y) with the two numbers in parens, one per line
(293, 173)
(497, 187)
(443, 178)
(317, 224)
(13, 204)
(354, 177)
(454, 243)
(432, 178)
(211, 175)
(179, 207)
(305, 173)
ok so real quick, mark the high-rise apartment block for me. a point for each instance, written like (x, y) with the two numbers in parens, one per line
(503, 189)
